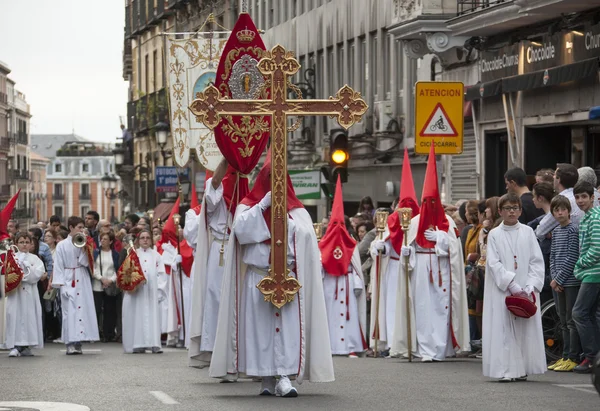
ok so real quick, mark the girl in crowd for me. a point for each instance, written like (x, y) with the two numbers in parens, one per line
(366, 207)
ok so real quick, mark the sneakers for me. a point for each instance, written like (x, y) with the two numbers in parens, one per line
(157, 350)
(139, 350)
(521, 379)
(584, 368)
(267, 386)
(284, 388)
(556, 364)
(426, 359)
(14, 353)
(352, 355)
(505, 379)
(26, 352)
(71, 350)
(566, 366)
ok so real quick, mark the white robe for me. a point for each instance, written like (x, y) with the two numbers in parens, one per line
(207, 232)
(164, 299)
(512, 347)
(141, 322)
(295, 338)
(439, 317)
(346, 313)
(23, 308)
(176, 282)
(79, 321)
(390, 263)
(2, 309)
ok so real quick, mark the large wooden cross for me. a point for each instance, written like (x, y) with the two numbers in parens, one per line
(347, 106)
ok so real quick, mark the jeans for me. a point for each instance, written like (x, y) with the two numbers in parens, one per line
(564, 307)
(586, 315)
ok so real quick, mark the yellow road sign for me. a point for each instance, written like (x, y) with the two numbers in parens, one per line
(439, 117)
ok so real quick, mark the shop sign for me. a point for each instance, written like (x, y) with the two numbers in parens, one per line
(501, 63)
(439, 117)
(544, 54)
(166, 178)
(307, 184)
(586, 43)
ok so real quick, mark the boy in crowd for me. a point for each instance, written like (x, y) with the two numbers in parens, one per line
(564, 253)
(586, 312)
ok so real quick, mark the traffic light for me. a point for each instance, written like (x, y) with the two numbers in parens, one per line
(338, 155)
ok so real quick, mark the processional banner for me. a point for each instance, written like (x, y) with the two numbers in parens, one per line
(192, 66)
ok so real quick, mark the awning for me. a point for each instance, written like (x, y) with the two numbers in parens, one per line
(594, 113)
(483, 90)
(162, 211)
(551, 77)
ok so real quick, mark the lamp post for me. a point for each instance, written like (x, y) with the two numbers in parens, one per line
(109, 184)
(162, 133)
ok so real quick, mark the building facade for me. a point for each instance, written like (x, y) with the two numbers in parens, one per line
(39, 166)
(74, 176)
(531, 71)
(5, 191)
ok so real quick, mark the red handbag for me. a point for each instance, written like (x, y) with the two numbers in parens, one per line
(520, 306)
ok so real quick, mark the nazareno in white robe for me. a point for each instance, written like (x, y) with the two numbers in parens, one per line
(207, 232)
(439, 317)
(23, 308)
(512, 347)
(141, 322)
(346, 313)
(390, 262)
(79, 321)
(239, 286)
(175, 315)
(2, 309)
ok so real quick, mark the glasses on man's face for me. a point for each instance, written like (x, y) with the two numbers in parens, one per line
(509, 209)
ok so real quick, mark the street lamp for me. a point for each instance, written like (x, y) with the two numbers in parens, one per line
(109, 184)
(162, 132)
(119, 153)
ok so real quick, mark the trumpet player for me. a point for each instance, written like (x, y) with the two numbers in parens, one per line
(72, 276)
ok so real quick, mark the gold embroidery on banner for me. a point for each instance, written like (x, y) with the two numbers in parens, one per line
(249, 129)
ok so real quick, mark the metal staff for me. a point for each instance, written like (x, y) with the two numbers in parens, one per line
(405, 216)
(381, 217)
(318, 230)
(177, 219)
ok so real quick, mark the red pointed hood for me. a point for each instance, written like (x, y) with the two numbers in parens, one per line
(408, 199)
(432, 212)
(262, 186)
(169, 233)
(337, 246)
(194, 200)
(5, 216)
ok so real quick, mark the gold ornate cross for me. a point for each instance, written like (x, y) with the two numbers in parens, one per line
(347, 106)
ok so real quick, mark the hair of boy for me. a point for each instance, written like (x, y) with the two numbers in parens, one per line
(509, 198)
(567, 174)
(74, 221)
(23, 235)
(55, 219)
(35, 232)
(94, 215)
(583, 187)
(546, 174)
(134, 218)
(560, 202)
(517, 175)
(545, 190)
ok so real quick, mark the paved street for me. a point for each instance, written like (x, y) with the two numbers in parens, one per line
(106, 379)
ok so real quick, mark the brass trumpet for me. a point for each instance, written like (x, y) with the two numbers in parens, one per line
(79, 240)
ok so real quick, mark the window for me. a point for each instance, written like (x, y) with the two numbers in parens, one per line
(58, 210)
(436, 70)
(85, 190)
(154, 69)
(58, 190)
(85, 168)
(58, 168)
(147, 74)
(84, 210)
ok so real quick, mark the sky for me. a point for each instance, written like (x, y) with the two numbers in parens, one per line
(66, 57)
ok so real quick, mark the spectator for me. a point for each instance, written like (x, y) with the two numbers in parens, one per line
(52, 307)
(357, 219)
(44, 250)
(12, 228)
(366, 207)
(545, 175)
(143, 223)
(131, 221)
(543, 193)
(492, 211)
(464, 231)
(51, 238)
(156, 235)
(563, 256)
(586, 312)
(363, 228)
(325, 223)
(515, 180)
(92, 218)
(588, 174)
(106, 294)
(473, 234)
(127, 141)
(55, 222)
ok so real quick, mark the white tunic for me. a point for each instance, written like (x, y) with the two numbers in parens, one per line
(512, 347)
(209, 232)
(23, 308)
(141, 322)
(72, 275)
(345, 331)
(176, 282)
(271, 335)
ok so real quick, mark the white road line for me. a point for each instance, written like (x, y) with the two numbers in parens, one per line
(164, 398)
(579, 387)
(86, 350)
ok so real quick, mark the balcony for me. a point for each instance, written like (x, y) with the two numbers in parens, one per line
(22, 139)
(5, 191)
(491, 17)
(20, 174)
(58, 196)
(85, 196)
(127, 59)
(3, 98)
(4, 144)
(23, 213)
(149, 110)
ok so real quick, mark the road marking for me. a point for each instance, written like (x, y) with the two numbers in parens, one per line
(579, 387)
(86, 350)
(164, 398)
(42, 406)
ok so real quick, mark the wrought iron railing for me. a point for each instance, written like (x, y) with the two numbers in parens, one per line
(467, 6)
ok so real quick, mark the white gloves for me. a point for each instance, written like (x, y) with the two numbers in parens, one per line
(431, 235)
(529, 289)
(265, 202)
(376, 246)
(515, 288)
(406, 250)
(178, 259)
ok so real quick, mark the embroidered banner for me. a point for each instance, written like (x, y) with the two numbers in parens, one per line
(191, 67)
